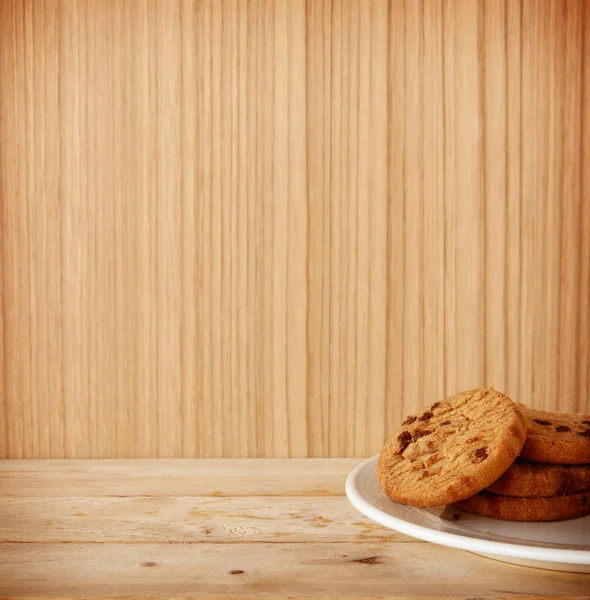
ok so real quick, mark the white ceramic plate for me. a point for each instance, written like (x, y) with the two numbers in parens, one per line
(562, 545)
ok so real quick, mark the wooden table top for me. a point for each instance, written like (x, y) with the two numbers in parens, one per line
(224, 528)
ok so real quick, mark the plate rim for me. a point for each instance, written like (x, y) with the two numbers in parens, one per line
(454, 540)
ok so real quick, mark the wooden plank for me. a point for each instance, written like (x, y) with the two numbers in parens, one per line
(364, 570)
(371, 221)
(185, 520)
(191, 107)
(414, 242)
(396, 247)
(584, 331)
(16, 393)
(319, 149)
(537, 122)
(464, 198)
(76, 223)
(552, 208)
(573, 298)
(168, 229)
(513, 159)
(175, 477)
(493, 38)
(144, 430)
(289, 364)
(433, 340)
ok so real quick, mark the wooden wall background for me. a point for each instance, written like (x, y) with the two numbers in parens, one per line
(267, 228)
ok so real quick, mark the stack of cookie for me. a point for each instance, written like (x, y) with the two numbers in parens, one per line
(488, 455)
(549, 480)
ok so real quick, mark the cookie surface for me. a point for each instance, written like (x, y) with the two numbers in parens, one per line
(556, 438)
(508, 508)
(534, 480)
(453, 449)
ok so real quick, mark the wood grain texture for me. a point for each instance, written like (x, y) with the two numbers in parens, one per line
(288, 570)
(262, 228)
(175, 477)
(152, 542)
(187, 520)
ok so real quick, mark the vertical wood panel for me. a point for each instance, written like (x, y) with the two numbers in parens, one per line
(318, 121)
(396, 238)
(340, 325)
(146, 405)
(465, 210)
(15, 236)
(168, 228)
(289, 232)
(4, 446)
(272, 228)
(267, 101)
(513, 162)
(125, 266)
(548, 276)
(415, 296)
(569, 200)
(74, 224)
(534, 128)
(191, 107)
(493, 35)
(101, 234)
(584, 291)
(203, 358)
(433, 339)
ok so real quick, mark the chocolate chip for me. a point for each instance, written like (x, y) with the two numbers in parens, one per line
(409, 420)
(542, 421)
(586, 422)
(435, 405)
(584, 433)
(422, 433)
(425, 416)
(562, 428)
(404, 439)
(445, 423)
(480, 455)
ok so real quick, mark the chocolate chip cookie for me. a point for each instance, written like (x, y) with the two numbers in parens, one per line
(555, 508)
(527, 479)
(556, 438)
(452, 449)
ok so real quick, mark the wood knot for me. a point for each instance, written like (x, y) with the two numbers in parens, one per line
(236, 572)
(370, 560)
(149, 563)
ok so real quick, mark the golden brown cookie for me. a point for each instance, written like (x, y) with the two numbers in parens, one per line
(555, 508)
(556, 438)
(527, 479)
(452, 449)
